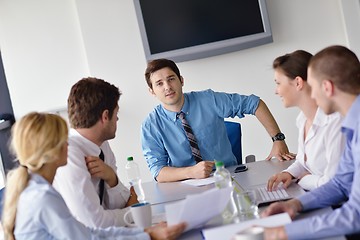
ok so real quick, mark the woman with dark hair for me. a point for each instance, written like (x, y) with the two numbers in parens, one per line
(320, 142)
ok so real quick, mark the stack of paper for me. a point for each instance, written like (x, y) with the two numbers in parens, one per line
(199, 182)
(226, 232)
(198, 209)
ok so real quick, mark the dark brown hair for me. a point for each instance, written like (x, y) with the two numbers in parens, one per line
(88, 99)
(293, 64)
(158, 64)
(340, 65)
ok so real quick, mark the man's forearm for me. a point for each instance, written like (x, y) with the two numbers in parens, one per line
(173, 174)
(265, 117)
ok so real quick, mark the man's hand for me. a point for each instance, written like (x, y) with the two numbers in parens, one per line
(201, 169)
(162, 231)
(276, 233)
(280, 151)
(292, 207)
(98, 168)
(133, 197)
(275, 180)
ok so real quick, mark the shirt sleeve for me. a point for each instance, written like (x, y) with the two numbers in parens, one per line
(296, 169)
(342, 187)
(55, 217)
(153, 149)
(233, 104)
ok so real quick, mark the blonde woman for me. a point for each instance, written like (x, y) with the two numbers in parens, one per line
(33, 209)
(320, 142)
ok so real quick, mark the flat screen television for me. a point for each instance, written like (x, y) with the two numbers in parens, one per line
(184, 30)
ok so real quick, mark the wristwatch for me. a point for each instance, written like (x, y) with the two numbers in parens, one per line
(278, 137)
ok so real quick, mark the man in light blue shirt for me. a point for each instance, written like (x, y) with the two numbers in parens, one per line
(164, 141)
(334, 76)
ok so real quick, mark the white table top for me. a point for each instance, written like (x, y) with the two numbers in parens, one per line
(159, 194)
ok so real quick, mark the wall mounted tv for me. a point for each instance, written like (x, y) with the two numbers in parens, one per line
(184, 30)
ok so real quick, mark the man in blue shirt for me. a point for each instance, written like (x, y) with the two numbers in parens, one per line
(164, 142)
(334, 76)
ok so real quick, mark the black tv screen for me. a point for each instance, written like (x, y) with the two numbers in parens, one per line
(184, 30)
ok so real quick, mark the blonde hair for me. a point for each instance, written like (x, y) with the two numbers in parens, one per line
(37, 139)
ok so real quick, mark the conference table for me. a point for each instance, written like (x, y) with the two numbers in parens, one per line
(160, 194)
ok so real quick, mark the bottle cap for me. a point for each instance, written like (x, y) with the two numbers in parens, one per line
(130, 158)
(219, 164)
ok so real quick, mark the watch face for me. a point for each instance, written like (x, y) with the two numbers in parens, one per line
(279, 136)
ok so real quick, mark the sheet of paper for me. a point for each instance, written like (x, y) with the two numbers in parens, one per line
(159, 217)
(197, 209)
(199, 182)
(228, 231)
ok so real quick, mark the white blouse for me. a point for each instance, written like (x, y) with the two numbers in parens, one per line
(322, 147)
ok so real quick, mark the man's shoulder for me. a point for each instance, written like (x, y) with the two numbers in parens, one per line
(154, 115)
(200, 93)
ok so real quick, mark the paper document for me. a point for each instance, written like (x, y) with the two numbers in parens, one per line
(227, 232)
(199, 182)
(159, 217)
(198, 209)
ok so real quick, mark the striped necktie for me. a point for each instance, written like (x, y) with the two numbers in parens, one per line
(102, 183)
(191, 137)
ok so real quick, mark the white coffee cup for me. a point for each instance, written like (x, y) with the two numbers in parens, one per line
(141, 214)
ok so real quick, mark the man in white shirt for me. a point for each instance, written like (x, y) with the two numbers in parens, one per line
(88, 184)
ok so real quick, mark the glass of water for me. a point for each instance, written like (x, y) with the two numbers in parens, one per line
(247, 204)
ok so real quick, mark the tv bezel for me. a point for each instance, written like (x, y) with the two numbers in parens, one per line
(208, 49)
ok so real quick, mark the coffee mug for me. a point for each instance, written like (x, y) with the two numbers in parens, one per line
(141, 214)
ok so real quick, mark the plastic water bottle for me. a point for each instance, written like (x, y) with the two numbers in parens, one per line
(223, 180)
(133, 175)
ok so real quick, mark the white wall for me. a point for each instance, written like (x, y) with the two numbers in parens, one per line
(49, 45)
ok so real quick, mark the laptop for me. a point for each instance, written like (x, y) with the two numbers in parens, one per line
(264, 197)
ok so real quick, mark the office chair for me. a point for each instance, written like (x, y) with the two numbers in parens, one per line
(1, 201)
(234, 134)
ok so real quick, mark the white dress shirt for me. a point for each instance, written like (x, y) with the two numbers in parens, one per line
(43, 214)
(322, 147)
(81, 191)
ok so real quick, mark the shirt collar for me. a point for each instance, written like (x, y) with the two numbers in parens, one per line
(185, 109)
(83, 141)
(351, 119)
(320, 118)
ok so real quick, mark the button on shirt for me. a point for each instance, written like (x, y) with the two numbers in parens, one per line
(344, 186)
(323, 147)
(81, 191)
(164, 141)
(43, 214)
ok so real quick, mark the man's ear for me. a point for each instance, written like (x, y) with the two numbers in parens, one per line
(328, 87)
(182, 81)
(105, 116)
(151, 91)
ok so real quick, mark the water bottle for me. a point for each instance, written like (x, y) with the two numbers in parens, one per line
(133, 175)
(223, 180)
